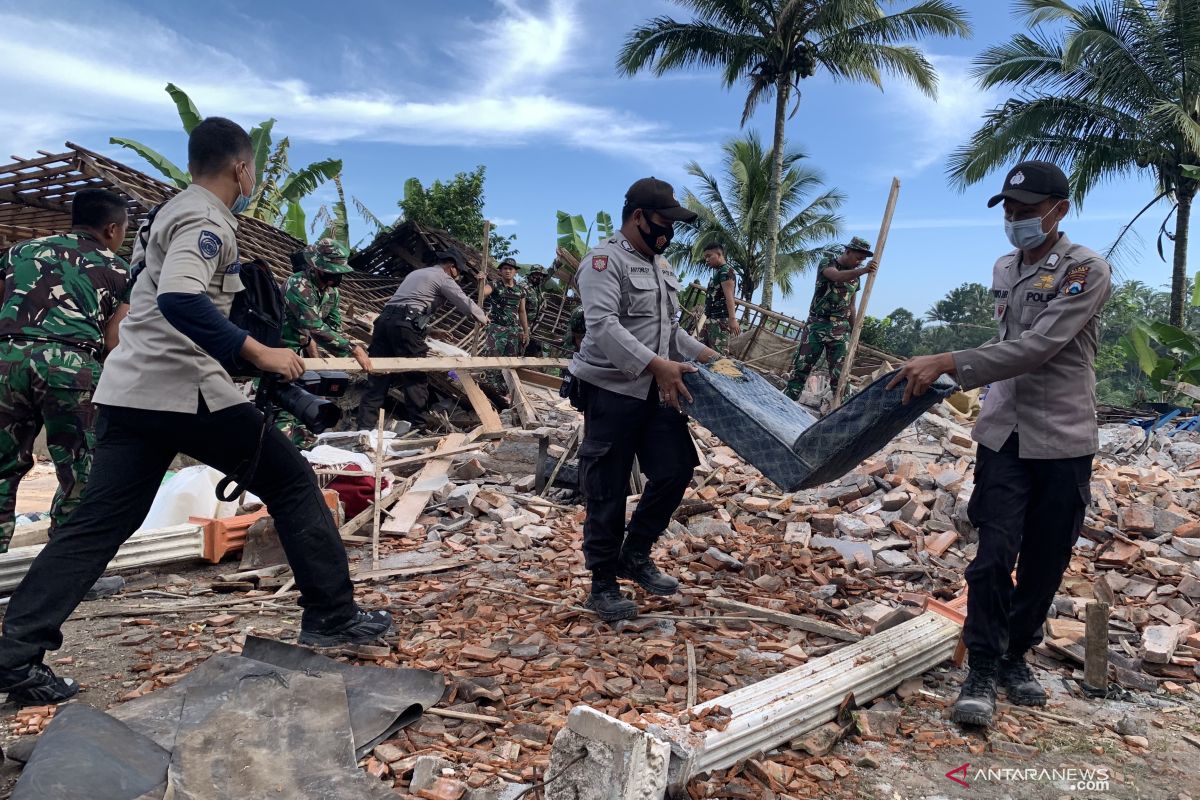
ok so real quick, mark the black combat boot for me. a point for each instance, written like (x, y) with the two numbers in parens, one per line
(606, 599)
(635, 565)
(1016, 678)
(976, 702)
(36, 684)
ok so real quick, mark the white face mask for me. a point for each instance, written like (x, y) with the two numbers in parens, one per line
(1027, 234)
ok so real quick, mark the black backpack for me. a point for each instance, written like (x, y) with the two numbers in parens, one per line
(257, 309)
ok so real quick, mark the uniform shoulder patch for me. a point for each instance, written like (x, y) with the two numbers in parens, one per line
(1076, 279)
(599, 263)
(209, 244)
(627, 247)
(234, 269)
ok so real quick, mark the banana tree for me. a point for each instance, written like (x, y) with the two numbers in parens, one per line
(279, 188)
(1164, 354)
(575, 236)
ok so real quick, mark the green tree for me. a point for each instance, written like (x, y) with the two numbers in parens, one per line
(964, 318)
(455, 206)
(899, 333)
(733, 211)
(773, 45)
(1108, 88)
(279, 188)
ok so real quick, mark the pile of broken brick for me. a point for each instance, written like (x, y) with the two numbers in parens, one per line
(488, 585)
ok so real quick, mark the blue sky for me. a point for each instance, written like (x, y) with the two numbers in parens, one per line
(528, 88)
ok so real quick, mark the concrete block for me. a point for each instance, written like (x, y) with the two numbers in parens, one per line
(622, 762)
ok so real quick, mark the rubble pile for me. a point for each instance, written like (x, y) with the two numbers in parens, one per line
(487, 587)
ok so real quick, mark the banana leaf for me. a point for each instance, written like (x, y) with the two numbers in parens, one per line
(260, 138)
(188, 113)
(156, 160)
(572, 234)
(294, 222)
(304, 181)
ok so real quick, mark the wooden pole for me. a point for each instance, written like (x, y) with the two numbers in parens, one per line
(861, 314)
(487, 233)
(378, 483)
(1095, 660)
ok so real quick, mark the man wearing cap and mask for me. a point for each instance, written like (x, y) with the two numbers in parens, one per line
(400, 331)
(312, 314)
(831, 316)
(629, 384)
(1037, 433)
(535, 294)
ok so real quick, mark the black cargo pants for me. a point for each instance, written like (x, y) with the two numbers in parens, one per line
(134, 449)
(1029, 512)
(616, 428)
(397, 332)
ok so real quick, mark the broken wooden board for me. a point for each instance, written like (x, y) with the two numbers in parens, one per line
(406, 511)
(790, 620)
(404, 572)
(520, 402)
(483, 407)
(540, 379)
(433, 364)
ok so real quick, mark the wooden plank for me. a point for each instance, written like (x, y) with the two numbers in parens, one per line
(434, 364)
(540, 379)
(1095, 658)
(790, 620)
(520, 402)
(483, 407)
(406, 511)
(404, 572)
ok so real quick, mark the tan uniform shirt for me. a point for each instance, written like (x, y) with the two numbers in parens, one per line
(1042, 364)
(631, 308)
(191, 249)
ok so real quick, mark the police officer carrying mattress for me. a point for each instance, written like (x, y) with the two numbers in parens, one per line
(1037, 433)
(163, 392)
(629, 383)
(400, 331)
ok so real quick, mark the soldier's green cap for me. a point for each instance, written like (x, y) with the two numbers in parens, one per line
(860, 244)
(508, 262)
(330, 256)
(537, 269)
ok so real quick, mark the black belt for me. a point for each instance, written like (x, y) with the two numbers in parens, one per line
(408, 314)
(91, 349)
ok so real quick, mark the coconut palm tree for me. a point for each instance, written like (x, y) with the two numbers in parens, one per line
(775, 44)
(1105, 88)
(279, 188)
(733, 211)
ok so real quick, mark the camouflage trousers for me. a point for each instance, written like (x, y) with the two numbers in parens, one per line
(290, 426)
(716, 336)
(830, 337)
(500, 340)
(45, 385)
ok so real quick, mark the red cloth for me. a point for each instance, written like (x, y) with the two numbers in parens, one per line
(356, 492)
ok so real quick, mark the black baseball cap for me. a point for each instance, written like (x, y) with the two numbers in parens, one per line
(1032, 182)
(442, 256)
(652, 194)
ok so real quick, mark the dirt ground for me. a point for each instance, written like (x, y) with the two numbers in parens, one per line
(110, 659)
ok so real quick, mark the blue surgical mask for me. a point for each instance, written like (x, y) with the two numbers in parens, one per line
(243, 200)
(1027, 234)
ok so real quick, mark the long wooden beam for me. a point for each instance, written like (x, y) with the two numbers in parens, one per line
(433, 364)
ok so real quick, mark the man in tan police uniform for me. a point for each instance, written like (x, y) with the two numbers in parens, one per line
(1037, 433)
(164, 391)
(629, 381)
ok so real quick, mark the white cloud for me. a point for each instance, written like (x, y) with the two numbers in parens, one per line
(511, 90)
(505, 222)
(935, 127)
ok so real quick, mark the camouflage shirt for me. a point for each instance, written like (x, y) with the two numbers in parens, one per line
(534, 295)
(310, 311)
(61, 288)
(577, 326)
(832, 300)
(503, 304)
(714, 296)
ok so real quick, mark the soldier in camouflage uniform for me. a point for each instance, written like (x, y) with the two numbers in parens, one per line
(831, 316)
(508, 332)
(720, 310)
(64, 297)
(576, 330)
(312, 314)
(535, 293)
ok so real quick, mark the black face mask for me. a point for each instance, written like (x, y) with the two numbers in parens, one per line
(656, 232)
(332, 281)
